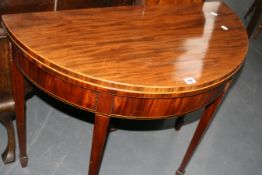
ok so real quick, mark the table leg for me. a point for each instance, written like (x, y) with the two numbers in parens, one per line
(18, 92)
(250, 10)
(100, 133)
(179, 122)
(9, 153)
(254, 20)
(202, 126)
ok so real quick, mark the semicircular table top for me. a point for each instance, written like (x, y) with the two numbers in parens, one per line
(158, 50)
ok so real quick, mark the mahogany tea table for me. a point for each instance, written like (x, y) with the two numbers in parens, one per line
(128, 62)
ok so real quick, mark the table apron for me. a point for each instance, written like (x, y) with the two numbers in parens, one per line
(111, 104)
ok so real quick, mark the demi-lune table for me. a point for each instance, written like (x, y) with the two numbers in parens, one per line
(128, 62)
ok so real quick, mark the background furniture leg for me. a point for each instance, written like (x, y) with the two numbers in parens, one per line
(8, 155)
(202, 126)
(250, 10)
(254, 20)
(18, 92)
(179, 122)
(7, 104)
(100, 133)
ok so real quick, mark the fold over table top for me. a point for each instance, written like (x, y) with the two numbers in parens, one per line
(160, 50)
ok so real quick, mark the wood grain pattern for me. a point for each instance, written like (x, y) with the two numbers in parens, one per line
(133, 68)
(52, 85)
(5, 75)
(148, 55)
(142, 108)
(116, 106)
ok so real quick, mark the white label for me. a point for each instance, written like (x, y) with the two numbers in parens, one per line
(224, 27)
(190, 80)
(214, 14)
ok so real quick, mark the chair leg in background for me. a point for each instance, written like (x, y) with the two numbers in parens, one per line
(8, 155)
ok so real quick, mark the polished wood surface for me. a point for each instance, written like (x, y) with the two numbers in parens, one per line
(101, 127)
(129, 50)
(139, 68)
(7, 103)
(202, 126)
(18, 93)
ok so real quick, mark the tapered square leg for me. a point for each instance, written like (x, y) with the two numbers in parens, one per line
(100, 133)
(18, 93)
(200, 130)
